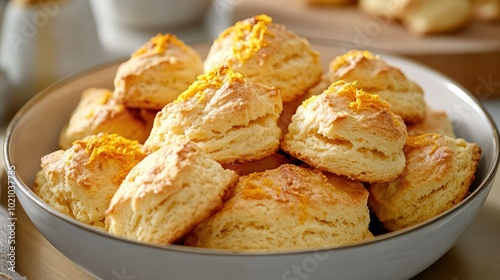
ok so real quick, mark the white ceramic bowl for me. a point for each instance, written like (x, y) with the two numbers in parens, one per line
(399, 255)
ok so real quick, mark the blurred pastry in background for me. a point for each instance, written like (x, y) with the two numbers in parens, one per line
(332, 2)
(287, 208)
(435, 121)
(157, 73)
(231, 118)
(437, 176)
(422, 17)
(98, 112)
(435, 16)
(376, 76)
(267, 53)
(486, 10)
(80, 181)
(388, 9)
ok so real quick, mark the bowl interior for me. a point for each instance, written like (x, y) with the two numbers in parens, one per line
(34, 131)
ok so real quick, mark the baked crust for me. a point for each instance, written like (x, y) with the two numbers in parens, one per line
(348, 132)
(157, 73)
(267, 53)
(167, 194)
(287, 208)
(437, 176)
(232, 119)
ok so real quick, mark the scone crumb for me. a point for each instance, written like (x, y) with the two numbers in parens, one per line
(213, 79)
(158, 44)
(249, 36)
(349, 56)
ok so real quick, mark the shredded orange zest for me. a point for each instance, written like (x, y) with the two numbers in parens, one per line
(309, 100)
(423, 140)
(249, 36)
(362, 101)
(116, 147)
(215, 78)
(158, 44)
(349, 56)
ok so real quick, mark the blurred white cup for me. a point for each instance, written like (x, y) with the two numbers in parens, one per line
(146, 14)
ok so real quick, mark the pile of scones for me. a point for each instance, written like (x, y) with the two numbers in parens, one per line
(255, 148)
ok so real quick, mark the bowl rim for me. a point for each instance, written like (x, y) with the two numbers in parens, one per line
(483, 186)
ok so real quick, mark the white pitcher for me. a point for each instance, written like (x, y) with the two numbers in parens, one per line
(43, 41)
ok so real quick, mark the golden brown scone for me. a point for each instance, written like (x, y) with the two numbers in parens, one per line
(348, 132)
(486, 10)
(81, 180)
(375, 76)
(437, 176)
(229, 117)
(434, 16)
(98, 112)
(167, 194)
(435, 121)
(287, 208)
(267, 53)
(157, 73)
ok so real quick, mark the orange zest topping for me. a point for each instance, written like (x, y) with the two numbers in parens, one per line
(361, 100)
(249, 36)
(349, 56)
(309, 100)
(423, 140)
(113, 146)
(214, 79)
(158, 44)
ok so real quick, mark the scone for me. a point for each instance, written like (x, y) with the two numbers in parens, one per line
(229, 117)
(375, 76)
(267, 53)
(81, 180)
(437, 176)
(435, 121)
(388, 9)
(167, 194)
(157, 73)
(287, 208)
(348, 132)
(486, 10)
(422, 17)
(98, 112)
(434, 16)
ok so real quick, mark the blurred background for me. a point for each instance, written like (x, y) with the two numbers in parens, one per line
(42, 41)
